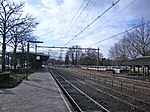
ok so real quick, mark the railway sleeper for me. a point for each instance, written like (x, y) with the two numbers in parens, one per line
(89, 101)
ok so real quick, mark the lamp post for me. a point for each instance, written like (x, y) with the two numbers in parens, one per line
(28, 53)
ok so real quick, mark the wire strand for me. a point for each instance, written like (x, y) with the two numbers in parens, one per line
(92, 22)
(71, 25)
(112, 17)
(119, 33)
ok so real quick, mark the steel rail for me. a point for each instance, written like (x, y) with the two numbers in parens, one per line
(139, 84)
(117, 92)
(117, 98)
(74, 104)
(122, 94)
(77, 106)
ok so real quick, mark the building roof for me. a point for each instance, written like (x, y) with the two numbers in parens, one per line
(148, 53)
(138, 61)
(43, 57)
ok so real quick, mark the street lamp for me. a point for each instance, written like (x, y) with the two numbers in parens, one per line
(28, 52)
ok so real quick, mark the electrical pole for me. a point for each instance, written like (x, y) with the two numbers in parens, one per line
(27, 60)
(98, 59)
(35, 58)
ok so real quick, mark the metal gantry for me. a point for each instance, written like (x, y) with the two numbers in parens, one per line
(28, 45)
(98, 50)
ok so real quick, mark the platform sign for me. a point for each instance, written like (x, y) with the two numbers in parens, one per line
(37, 57)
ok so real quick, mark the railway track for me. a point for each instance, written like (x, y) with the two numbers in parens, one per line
(109, 97)
(139, 83)
(80, 100)
(133, 86)
(129, 100)
(131, 90)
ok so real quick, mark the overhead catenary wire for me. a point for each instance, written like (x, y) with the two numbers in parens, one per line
(112, 17)
(92, 22)
(118, 13)
(72, 24)
(74, 19)
(64, 49)
(119, 34)
(88, 13)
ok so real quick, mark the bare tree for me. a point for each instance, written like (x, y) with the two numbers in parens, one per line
(74, 54)
(122, 48)
(90, 57)
(139, 39)
(133, 43)
(9, 14)
(131, 50)
(66, 59)
(21, 34)
(114, 52)
(119, 52)
(142, 38)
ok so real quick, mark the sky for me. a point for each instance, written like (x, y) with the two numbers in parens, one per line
(61, 25)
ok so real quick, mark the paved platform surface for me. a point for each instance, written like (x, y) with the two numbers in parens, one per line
(38, 94)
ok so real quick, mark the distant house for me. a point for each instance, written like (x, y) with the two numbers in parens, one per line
(35, 59)
(139, 65)
(148, 53)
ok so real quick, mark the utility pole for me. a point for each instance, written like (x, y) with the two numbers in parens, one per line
(35, 57)
(49, 52)
(28, 54)
(60, 56)
(98, 59)
(27, 60)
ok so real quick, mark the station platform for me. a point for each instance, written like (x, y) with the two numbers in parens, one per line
(38, 94)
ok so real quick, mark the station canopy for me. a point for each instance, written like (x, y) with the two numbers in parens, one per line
(142, 61)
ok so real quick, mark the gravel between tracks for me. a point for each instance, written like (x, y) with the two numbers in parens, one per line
(109, 99)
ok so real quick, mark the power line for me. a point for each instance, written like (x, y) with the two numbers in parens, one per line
(69, 27)
(112, 17)
(67, 31)
(92, 22)
(73, 17)
(65, 47)
(72, 23)
(88, 13)
(119, 33)
(118, 13)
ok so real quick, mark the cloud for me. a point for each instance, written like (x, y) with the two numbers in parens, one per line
(55, 15)
(49, 3)
(142, 9)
